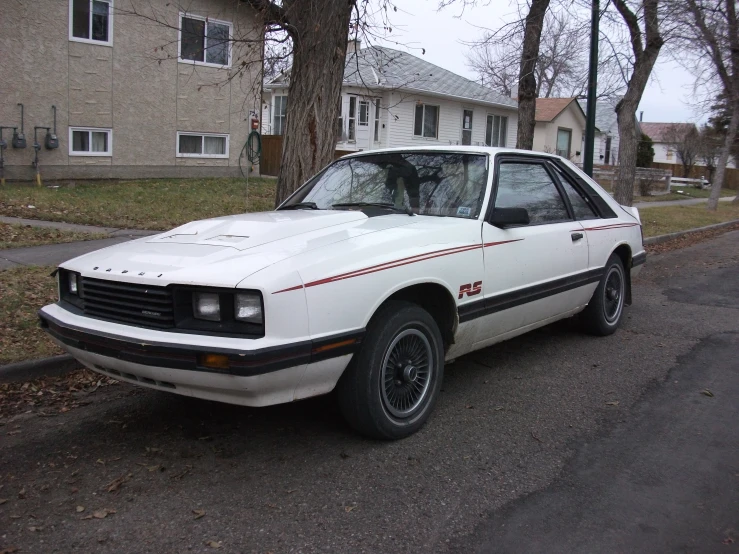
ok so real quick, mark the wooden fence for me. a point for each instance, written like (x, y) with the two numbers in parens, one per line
(731, 180)
(271, 159)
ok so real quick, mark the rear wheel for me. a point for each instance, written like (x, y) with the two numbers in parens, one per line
(603, 314)
(391, 385)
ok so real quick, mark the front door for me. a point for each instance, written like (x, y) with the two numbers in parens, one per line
(533, 272)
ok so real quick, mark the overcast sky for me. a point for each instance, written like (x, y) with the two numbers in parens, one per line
(443, 34)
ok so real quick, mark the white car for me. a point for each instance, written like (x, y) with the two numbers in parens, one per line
(366, 280)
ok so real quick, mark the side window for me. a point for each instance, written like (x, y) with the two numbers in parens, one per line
(529, 186)
(580, 206)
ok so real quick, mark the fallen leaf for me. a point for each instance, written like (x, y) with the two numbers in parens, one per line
(344, 455)
(116, 483)
(22, 493)
(728, 540)
(80, 509)
(707, 392)
(9, 550)
(3, 501)
(214, 544)
(198, 513)
(349, 508)
(34, 529)
(101, 514)
(612, 403)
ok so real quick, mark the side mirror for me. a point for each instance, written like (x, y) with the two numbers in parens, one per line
(504, 217)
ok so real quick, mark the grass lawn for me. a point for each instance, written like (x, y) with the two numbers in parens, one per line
(23, 291)
(141, 204)
(20, 236)
(660, 221)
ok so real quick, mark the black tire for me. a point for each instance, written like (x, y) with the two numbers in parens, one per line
(400, 336)
(603, 314)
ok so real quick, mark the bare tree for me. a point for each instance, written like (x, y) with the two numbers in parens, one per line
(562, 56)
(527, 73)
(645, 46)
(713, 37)
(685, 140)
(710, 143)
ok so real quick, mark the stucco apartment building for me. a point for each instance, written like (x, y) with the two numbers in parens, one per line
(155, 93)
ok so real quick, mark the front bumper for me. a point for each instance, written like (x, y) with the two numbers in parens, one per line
(254, 377)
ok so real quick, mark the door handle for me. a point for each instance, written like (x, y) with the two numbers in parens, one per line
(576, 236)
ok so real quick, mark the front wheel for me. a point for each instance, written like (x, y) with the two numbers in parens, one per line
(391, 385)
(603, 314)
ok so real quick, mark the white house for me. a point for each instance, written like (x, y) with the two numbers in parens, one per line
(663, 138)
(560, 125)
(391, 98)
(607, 139)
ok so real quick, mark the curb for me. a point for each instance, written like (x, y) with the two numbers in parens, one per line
(670, 236)
(42, 367)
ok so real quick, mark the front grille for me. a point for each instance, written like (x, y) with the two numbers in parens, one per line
(145, 305)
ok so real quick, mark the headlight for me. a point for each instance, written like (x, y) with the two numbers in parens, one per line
(207, 306)
(73, 283)
(248, 308)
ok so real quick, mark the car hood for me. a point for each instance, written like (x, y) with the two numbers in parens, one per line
(223, 251)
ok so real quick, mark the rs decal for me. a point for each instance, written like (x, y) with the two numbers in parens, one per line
(470, 289)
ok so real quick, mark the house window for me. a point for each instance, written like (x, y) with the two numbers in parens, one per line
(564, 142)
(496, 129)
(90, 141)
(340, 129)
(202, 145)
(363, 113)
(352, 118)
(377, 120)
(669, 153)
(205, 41)
(426, 122)
(467, 127)
(280, 113)
(608, 150)
(91, 20)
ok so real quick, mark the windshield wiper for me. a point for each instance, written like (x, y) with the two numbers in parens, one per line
(386, 205)
(301, 205)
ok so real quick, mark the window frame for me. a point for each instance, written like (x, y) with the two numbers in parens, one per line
(352, 118)
(423, 118)
(283, 117)
(469, 130)
(227, 136)
(569, 142)
(366, 105)
(376, 137)
(488, 116)
(107, 154)
(530, 159)
(207, 20)
(73, 38)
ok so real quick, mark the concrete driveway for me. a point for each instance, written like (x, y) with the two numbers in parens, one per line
(551, 419)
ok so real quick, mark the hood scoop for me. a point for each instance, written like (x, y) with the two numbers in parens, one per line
(249, 230)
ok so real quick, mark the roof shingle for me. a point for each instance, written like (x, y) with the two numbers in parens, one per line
(549, 108)
(660, 132)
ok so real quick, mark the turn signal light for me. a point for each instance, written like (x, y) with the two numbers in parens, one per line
(215, 361)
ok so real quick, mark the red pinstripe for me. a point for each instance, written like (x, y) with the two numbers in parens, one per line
(396, 263)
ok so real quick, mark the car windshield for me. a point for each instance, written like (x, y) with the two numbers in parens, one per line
(439, 184)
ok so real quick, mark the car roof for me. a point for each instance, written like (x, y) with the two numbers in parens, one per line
(451, 148)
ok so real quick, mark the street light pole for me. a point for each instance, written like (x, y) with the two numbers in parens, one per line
(592, 90)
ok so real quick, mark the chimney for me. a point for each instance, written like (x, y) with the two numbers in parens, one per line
(641, 116)
(514, 92)
(354, 45)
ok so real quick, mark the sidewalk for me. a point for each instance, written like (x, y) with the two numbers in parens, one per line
(686, 202)
(54, 254)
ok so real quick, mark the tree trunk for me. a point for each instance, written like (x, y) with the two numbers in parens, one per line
(526, 78)
(319, 30)
(723, 159)
(645, 57)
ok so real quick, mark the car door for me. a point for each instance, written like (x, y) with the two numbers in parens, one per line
(535, 272)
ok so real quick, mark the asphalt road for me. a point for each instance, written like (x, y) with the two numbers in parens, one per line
(553, 441)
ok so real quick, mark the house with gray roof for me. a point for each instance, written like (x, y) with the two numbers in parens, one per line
(394, 99)
(607, 140)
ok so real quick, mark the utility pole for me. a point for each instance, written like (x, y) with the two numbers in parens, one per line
(592, 90)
